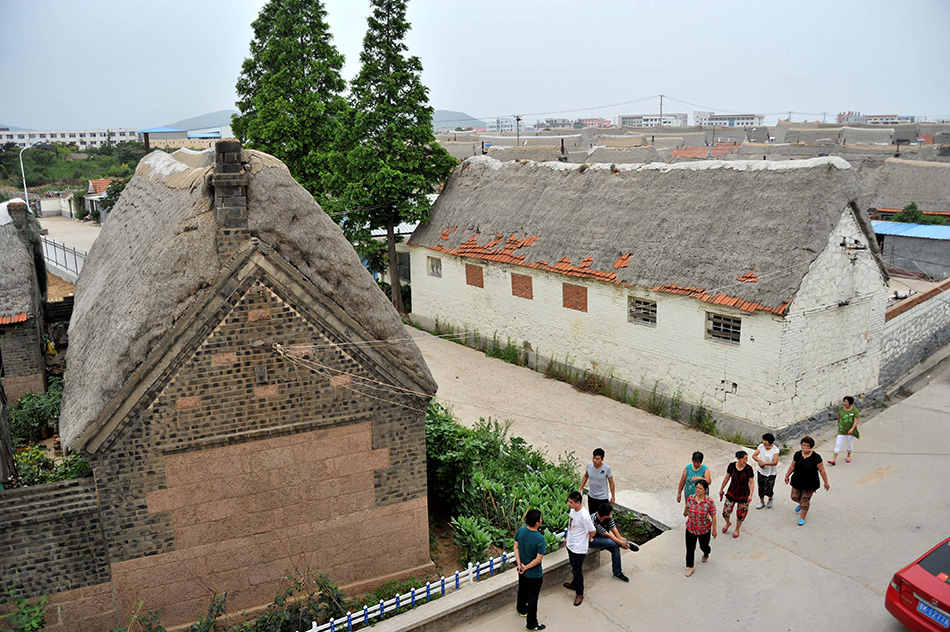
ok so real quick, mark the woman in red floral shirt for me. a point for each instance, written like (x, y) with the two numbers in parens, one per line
(700, 516)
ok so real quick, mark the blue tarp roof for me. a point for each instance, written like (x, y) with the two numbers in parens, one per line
(204, 134)
(904, 229)
(159, 130)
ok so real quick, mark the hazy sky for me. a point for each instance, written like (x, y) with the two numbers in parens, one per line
(132, 63)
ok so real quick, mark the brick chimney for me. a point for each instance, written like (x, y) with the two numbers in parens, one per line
(19, 215)
(230, 198)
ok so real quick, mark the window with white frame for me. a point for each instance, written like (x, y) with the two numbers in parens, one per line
(641, 311)
(723, 328)
(434, 266)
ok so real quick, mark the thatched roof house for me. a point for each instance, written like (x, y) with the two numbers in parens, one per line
(156, 259)
(898, 182)
(686, 225)
(19, 298)
(733, 285)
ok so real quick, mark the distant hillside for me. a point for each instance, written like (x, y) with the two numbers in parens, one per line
(447, 119)
(213, 119)
(11, 128)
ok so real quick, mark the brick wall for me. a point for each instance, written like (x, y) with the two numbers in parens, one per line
(521, 286)
(574, 297)
(473, 275)
(50, 540)
(239, 468)
(915, 329)
(24, 361)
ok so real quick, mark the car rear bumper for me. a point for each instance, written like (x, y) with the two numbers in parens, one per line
(908, 615)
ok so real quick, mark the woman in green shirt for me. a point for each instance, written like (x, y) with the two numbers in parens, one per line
(847, 428)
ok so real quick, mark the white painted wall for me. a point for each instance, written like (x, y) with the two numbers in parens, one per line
(784, 369)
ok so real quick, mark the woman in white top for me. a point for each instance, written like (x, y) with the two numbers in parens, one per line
(766, 468)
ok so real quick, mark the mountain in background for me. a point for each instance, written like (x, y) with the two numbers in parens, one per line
(11, 128)
(448, 120)
(221, 118)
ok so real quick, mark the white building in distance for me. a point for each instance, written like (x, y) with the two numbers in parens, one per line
(82, 138)
(711, 119)
(653, 120)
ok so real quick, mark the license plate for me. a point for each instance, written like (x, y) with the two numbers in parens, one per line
(939, 617)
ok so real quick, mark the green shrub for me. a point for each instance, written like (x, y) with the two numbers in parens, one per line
(472, 537)
(701, 419)
(509, 353)
(35, 468)
(33, 412)
(656, 404)
(29, 615)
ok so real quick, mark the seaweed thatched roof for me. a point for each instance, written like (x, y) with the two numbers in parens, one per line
(156, 258)
(18, 288)
(741, 233)
(898, 182)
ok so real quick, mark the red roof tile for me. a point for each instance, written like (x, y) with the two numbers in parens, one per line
(10, 320)
(748, 277)
(99, 186)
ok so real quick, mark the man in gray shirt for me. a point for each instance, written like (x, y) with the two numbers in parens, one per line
(601, 479)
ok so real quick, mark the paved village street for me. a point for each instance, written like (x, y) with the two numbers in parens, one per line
(883, 510)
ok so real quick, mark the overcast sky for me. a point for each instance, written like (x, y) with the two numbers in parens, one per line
(112, 63)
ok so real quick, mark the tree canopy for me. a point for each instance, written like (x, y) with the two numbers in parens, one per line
(912, 215)
(290, 91)
(391, 159)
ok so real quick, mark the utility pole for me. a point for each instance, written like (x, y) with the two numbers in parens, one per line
(789, 119)
(824, 115)
(517, 129)
(661, 110)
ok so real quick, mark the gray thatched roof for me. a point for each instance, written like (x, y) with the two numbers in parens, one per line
(18, 287)
(688, 228)
(866, 135)
(156, 257)
(898, 182)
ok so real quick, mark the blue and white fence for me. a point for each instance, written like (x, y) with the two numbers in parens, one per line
(417, 596)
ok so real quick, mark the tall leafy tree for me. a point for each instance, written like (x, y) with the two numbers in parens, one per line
(290, 91)
(392, 159)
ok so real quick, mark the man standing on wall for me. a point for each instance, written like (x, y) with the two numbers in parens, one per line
(601, 479)
(580, 531)
(529, 549)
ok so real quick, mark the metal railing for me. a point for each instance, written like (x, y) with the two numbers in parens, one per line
(61, 255)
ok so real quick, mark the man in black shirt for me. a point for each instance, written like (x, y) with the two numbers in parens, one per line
(608, 538)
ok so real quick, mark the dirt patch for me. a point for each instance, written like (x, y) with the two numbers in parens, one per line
(57, 288)
(443, 550)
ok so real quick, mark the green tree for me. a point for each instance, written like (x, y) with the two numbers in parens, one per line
(290, 91)
(114, 190)
(912, 215)
(392, 159)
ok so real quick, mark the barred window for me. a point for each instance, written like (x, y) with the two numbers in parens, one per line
(434, 266)
(641, 311)
(725, 328)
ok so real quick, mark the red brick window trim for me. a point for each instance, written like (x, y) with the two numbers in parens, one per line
(522, 286)
(574, 297)
(474, 275)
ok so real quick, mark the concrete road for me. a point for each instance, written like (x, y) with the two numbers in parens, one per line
(883, 510)
(72, 232)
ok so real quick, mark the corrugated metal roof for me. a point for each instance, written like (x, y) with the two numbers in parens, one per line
(904, 229)
(158, 130)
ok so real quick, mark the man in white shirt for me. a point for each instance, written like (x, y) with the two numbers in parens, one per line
(766, 468)
(580, 531)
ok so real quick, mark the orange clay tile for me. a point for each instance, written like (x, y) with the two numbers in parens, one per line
(748, 277)
(16, 318)
(508, 253)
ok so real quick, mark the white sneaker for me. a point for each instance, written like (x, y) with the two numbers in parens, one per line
(769, 505)
(760, 505)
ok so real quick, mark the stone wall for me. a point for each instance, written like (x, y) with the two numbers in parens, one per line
(915, 329)
(24, 362)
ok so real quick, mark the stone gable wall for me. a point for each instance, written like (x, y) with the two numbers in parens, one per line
(24, 361)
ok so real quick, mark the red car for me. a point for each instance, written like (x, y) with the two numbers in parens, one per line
(919, 594)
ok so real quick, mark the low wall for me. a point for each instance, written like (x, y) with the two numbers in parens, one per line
(50, 538)
(913, 330)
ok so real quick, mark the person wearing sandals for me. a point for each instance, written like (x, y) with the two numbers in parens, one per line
(766, 468)
(693, 472)
(741, 480)
(803, 472)
(847, 428)
(700, 514)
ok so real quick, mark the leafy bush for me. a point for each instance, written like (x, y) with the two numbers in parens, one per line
(27, 617)
(35, 468)
(509, 353)
(33, 412)
(488, 481)
(656, 403)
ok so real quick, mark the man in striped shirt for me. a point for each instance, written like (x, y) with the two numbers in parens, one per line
(608, 538)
